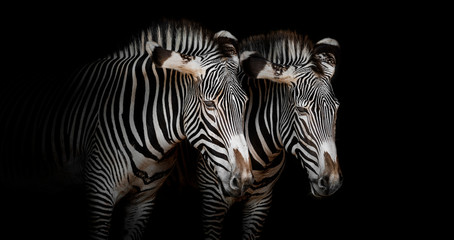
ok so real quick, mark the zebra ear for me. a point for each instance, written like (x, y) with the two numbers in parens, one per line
(174, 60)
(228, 44)
(327, 51)
(256, 66)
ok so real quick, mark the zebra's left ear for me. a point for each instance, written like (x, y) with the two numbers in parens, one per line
(174, 60)
(327, 51)
(228, 44)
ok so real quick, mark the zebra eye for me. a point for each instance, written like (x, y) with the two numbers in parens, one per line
(210, 105)
(302, 110)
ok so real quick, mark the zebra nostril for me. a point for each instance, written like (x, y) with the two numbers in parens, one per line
(234, 183)
(323, 182)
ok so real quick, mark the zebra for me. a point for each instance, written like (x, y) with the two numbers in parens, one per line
(120, 118)
(292, 109)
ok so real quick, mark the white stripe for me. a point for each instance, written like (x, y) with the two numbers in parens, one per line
(145, 106)
(132, 103)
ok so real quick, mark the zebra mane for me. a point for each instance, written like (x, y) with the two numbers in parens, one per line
(282, 47)
(183, 36)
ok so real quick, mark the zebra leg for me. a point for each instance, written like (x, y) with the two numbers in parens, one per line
(214, 204)
(100, 195)
(213, 214)
(138, 211)
(255, 212)
(100, 209)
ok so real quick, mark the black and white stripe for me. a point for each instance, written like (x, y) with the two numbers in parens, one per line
(292, 110)
(120, 116)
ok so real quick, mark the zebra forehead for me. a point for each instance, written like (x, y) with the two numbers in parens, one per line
(316, 91)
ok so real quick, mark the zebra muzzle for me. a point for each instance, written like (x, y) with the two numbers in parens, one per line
(241, 178)
(239, 184)
(331, 178)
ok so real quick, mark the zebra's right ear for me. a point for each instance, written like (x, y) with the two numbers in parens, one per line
(327, 51)
(256, 66)
(174, 60)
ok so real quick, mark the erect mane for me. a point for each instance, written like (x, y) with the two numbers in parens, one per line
(282, 47)
(183, 36)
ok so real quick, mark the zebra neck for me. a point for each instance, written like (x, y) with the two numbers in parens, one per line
(152, 106)
(266, 102)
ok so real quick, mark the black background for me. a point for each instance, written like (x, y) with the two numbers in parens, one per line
(375, 199)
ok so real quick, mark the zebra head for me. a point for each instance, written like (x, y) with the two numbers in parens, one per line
(213, 108)
(307, 120)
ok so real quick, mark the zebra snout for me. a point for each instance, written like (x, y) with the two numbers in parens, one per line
(240, 183)
(241, 176)
(235, 183)
(329, 184)
(330, 176)
(323, 182)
